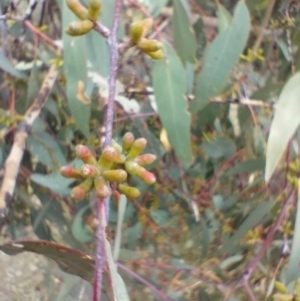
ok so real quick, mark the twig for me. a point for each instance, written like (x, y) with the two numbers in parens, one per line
(156, 291)
(251, 267)
(13, 161)
(109, 119)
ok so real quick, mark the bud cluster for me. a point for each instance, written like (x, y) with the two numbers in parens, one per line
(151, 47)
(87, 16)
(113, 166)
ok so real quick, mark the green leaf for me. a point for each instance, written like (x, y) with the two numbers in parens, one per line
(185, 41)
(75, 67)
(293, 270)
(79, 230)
(169, 88)
(6, 66)
(224, 18)
(219, 147)
(253, 218)
(246, 166)
(33, 85)
(54, 182)
(221, 57)
(285, 122)
(121, 213)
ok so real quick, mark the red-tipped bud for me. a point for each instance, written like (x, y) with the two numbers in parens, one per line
(136, 148)
(89, 171)
(131, 167)
(81, 191)
(145, 159)
(128, 140)
(101, 187)
(129, 191)
(108, 157)
(70, 172)
(145, 175)
(117, 175)
(83, 153)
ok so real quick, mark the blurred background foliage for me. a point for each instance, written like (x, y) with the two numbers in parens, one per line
(193, 233)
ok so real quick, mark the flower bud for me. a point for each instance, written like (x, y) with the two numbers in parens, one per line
(131, 167)
(129, 191)
(70, 172)
(147, 26)
(89, 171)
(146, 176)
(79, 28)
(136, 32)
(78, 9)
(94, 10)
(116, 146)
(136, 148)
(81, 191)
(101, 187)
(83, 153)
(117, 175)
(156, 55)
(145, 159)
(149, 45)
(107, 158)
(128, 140)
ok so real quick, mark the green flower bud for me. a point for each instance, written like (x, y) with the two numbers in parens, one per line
(83, 153)
(81, 191)
(116, 146)
(156, 55)
(79, 28)
(70, 172)
(128, 140)
(136, 148)
(136, 32)
(117, 175)
(129, 191)
(107, 158)
(145, 159)
(131, 167)
(149, 45)
(94, 10)
(78, 9)
(101, 187)
(89, 171)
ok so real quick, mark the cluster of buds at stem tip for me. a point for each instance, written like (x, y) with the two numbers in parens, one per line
(87, 16)
(138, 31)
(113, 166)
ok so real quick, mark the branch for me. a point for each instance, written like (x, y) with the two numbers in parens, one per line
(13, 161)
(108, 123)
(251, 267)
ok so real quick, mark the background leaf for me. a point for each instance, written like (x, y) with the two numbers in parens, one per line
(185, 41)
(220, 58)
(169, 89)
(284, 124)
(75, 67)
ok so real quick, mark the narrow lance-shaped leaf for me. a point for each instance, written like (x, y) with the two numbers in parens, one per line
(185, 41)
(220, 58)
(293, 266)
(75, 70)
(285, 122)
(169, 88)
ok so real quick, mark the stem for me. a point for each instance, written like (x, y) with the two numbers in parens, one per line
(103, 205)
(267, 241)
